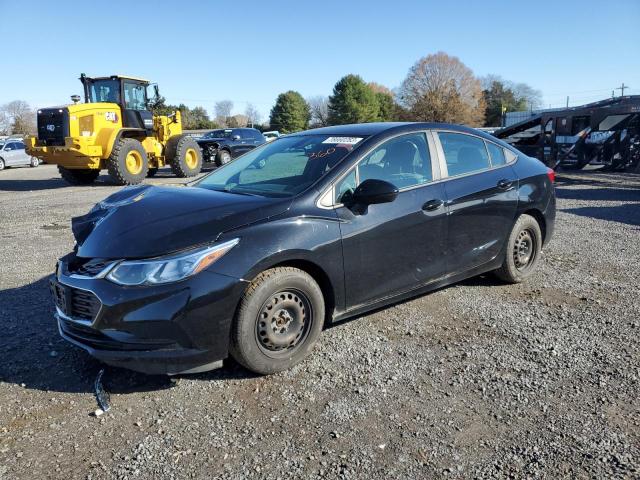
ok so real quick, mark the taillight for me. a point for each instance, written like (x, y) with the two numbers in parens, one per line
(551, 173)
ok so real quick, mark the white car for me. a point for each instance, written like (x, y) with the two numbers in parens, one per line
(12, 154)
(272, 135)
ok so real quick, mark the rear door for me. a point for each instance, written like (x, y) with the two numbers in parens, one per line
(11, 154)
(481, 192)
(394, 247)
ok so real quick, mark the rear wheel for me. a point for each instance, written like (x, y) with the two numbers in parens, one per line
(279, 320)
(523, 250)
(128, 163)
(184, 155)
(34, 162)
(82, 176)
(223, 157)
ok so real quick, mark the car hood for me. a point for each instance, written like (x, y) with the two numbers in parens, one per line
(148, 221)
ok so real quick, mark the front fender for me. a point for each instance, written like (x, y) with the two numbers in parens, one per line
(314, 241)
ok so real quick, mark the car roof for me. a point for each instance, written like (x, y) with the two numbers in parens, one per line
(370, 129)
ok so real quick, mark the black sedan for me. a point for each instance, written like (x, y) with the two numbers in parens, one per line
(223, 145)
(255, 258)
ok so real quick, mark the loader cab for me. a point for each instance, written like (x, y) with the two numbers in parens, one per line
(129, 93)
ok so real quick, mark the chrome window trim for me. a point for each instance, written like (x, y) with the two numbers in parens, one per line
(439, 168)
(435, 170)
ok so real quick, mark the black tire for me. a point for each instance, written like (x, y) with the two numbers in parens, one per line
(83, 176)
(2, 164)
(152, 172)
(223, 157)
(120, 170)
(260, 336)
(523, 250)
(184, 155)
(34, 162)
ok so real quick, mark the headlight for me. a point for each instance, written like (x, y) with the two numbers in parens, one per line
(170, 268)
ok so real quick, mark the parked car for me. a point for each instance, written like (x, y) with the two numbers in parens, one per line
(221, 146)
(253, 262)
(271, 135)
(12, 154)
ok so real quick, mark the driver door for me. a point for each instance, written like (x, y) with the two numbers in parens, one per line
(394, 247)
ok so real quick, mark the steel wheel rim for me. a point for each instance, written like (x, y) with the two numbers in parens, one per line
(225, 157)
(283, 323)
(524, 249)
(191, 158)
(134, 162)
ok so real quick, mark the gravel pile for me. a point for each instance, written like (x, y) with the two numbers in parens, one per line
(478, 380)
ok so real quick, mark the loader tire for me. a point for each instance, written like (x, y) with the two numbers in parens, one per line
(128, 163)
(82, 176)
(184, 155)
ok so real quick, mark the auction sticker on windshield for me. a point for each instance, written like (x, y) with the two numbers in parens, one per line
(343, 140)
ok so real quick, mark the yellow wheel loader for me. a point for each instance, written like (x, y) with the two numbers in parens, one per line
(114, 130)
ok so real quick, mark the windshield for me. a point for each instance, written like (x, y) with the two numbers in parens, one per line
(104, 91)
(281, 168)
(218, 134)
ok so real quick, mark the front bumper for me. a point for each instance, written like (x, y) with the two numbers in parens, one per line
(165, 329)
(209, 152)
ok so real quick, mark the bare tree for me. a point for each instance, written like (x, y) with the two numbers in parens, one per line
(440, 88)
(522, 92)
(530, 95)
(222, 110)
(252, 114)
(237, 121)
(17, 117)
(319, 107)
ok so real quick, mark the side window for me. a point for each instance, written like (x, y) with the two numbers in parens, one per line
(19, 146)
(134, 96)
(463, 153)
(403, 161)
(497, 154)
(345, 187)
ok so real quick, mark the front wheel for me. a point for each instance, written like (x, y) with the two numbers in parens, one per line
(128, 163)
(223, 157)
(279, 320)
(184, 155)
(523, 250)
(1, 164)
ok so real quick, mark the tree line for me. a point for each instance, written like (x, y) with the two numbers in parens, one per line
(437, 88)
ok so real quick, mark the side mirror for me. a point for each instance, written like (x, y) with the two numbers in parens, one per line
(8, 149)
(373, 191)
(235, 138)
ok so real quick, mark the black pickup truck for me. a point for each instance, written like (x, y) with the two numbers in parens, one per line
(223, 145)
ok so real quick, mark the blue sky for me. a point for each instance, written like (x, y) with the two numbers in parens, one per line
(202, 52)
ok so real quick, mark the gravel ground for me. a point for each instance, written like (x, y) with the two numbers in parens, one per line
(473, 381)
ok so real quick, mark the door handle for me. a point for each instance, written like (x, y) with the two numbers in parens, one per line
(432, 205)
(505, 184)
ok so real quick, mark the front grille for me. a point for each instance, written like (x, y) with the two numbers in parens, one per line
(75, 303)
(53, 126)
